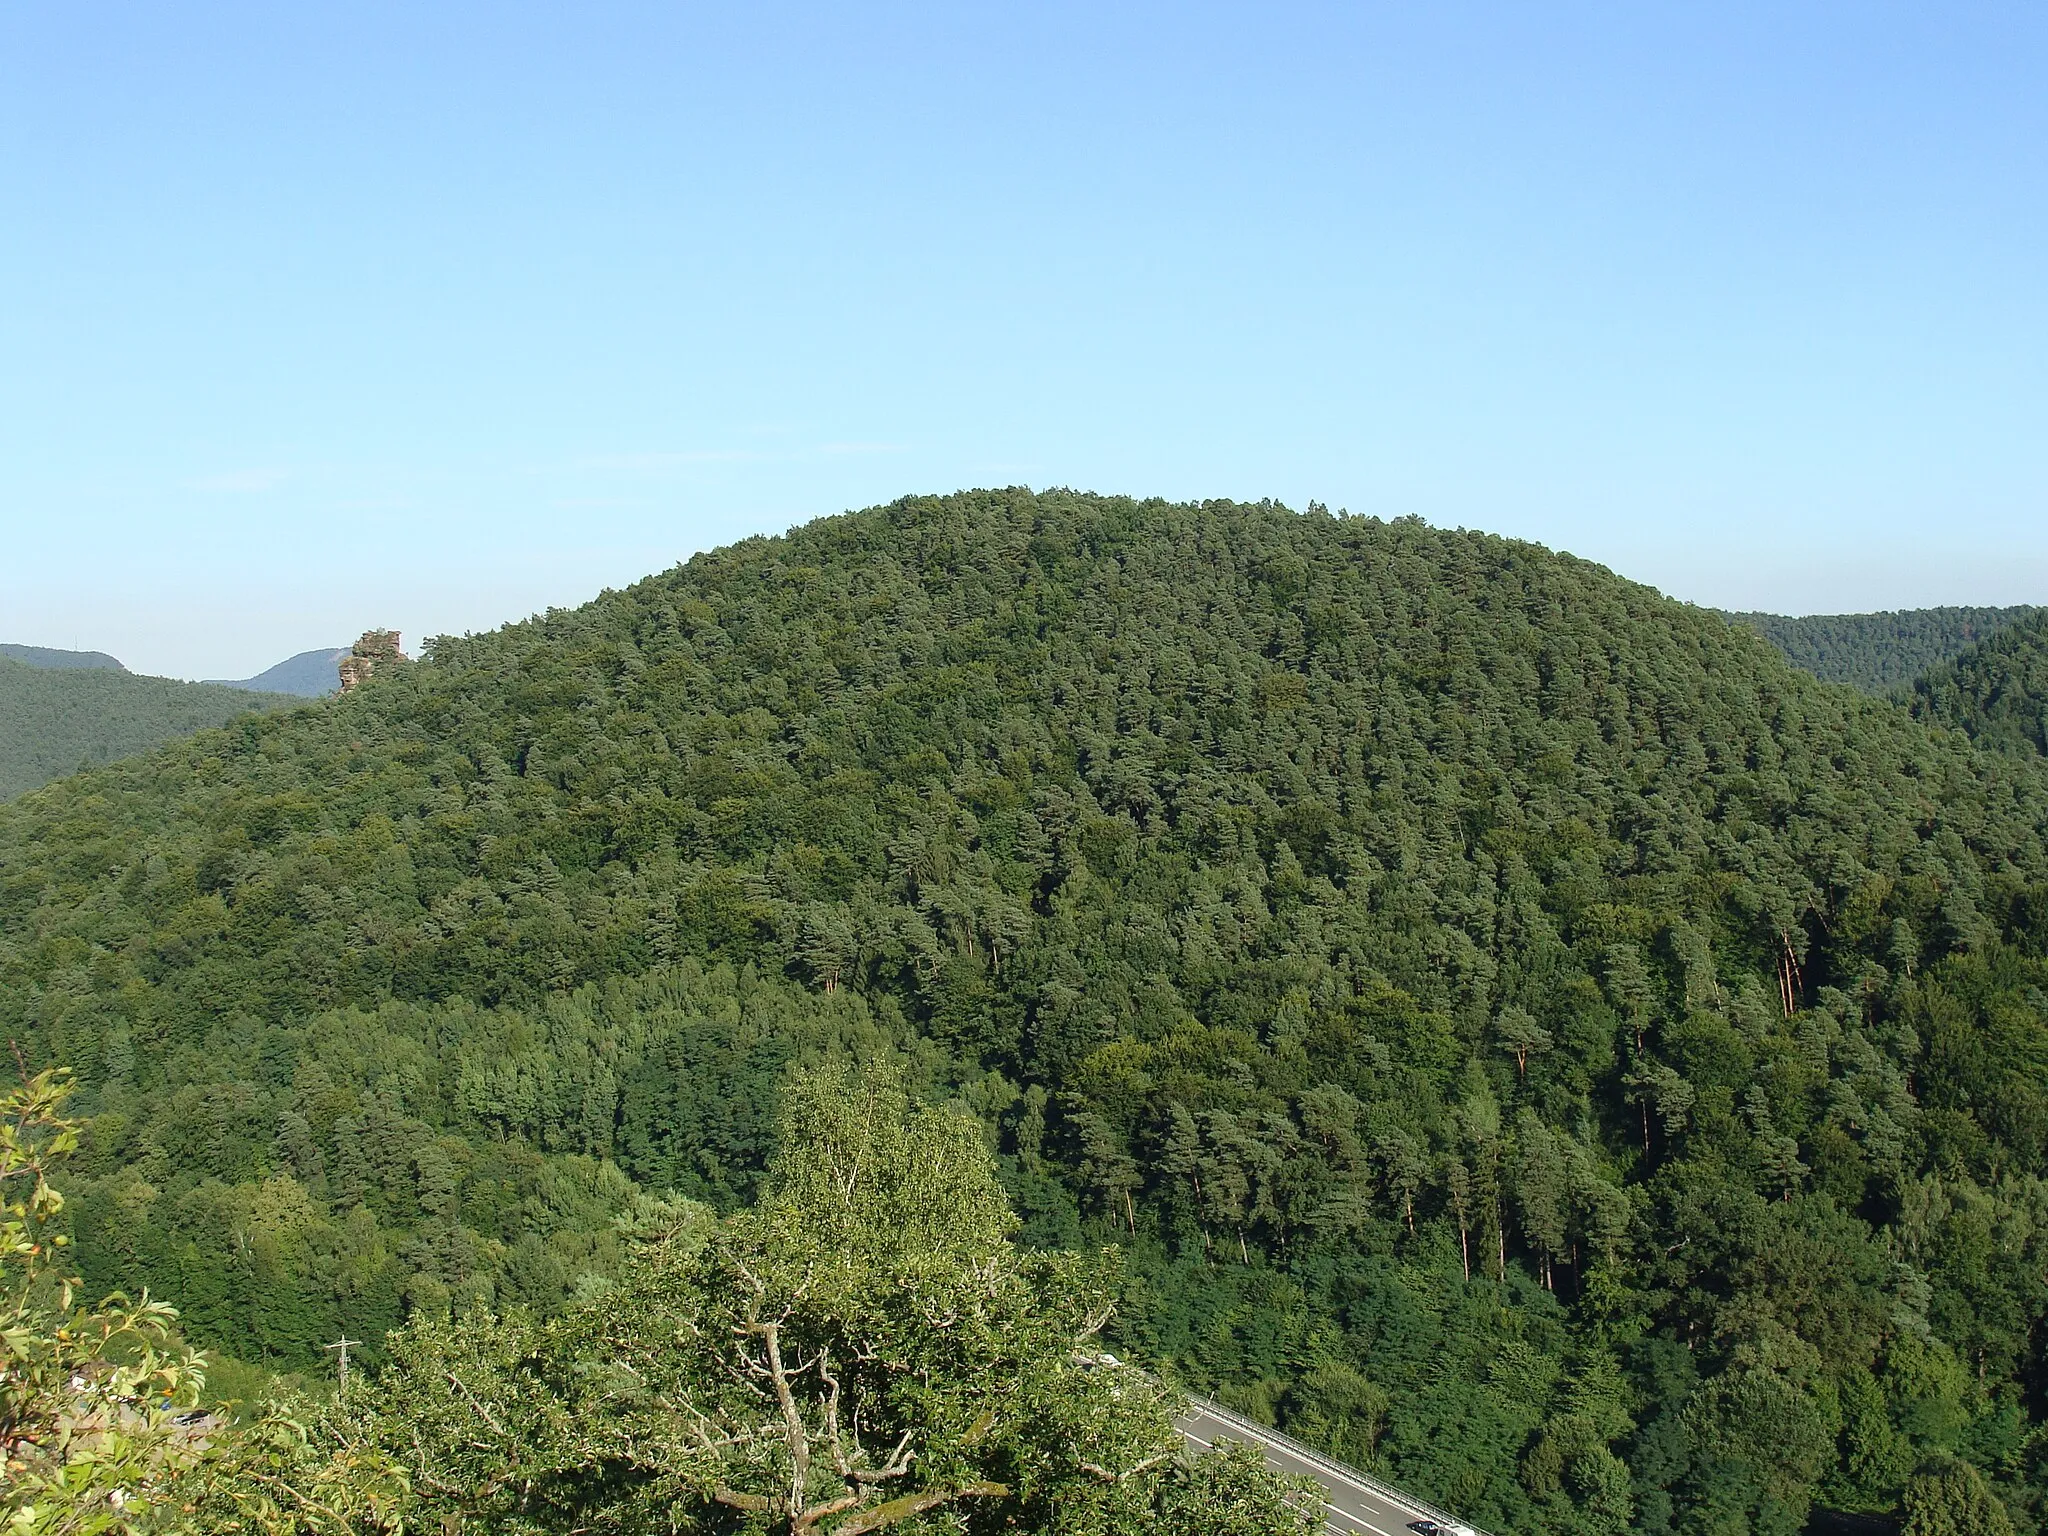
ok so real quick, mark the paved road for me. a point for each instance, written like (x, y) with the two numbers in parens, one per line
(1354, 1505)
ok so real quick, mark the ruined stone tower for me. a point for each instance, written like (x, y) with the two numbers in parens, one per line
(377, 648)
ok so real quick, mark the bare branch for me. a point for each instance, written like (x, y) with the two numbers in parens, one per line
(752, 1502)
(799, 1441)
(898, 1510)
(1108, 1476)
(810, 1517)
(899, 1462)
(479, 1407)
(840, 1463)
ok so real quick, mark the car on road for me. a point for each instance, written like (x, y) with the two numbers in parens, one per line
(1438, 1528)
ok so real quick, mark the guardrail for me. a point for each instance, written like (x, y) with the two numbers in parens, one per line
(1259, 1434)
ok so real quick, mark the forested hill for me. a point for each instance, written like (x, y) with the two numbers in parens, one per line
(44, 656)
(1997, 691)
(1533, 1041)
(309, 674)
(56, 716)
(1878, 652)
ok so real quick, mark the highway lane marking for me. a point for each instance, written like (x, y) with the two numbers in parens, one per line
(1321, 1474)
(1332, 1512)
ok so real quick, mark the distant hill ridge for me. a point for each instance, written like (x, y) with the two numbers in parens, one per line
(309, 674)
(1878, 652)
(56, 718)
(61, 661)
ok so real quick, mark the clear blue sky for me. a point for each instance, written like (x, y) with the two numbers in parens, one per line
(318, 315)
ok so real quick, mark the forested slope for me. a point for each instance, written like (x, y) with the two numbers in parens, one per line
(58, 716)
(1531, 1039)
(1997, 692)
(1879, 652)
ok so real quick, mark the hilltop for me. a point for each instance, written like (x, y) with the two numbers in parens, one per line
(44, 656)
(1532, 1040)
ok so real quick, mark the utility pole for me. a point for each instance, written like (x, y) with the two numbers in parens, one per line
(341, 1347)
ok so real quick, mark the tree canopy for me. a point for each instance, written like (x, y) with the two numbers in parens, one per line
(89, 1437)
(863, 1349)
(1521, 1031)
(1996, 692)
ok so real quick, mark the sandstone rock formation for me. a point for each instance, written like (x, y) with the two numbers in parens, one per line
(377, 648)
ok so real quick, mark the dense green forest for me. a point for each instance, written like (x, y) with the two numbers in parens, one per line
(1997, 691)
(1525, 1035)
(57, 717)
(1878, 652)
(865, 1349)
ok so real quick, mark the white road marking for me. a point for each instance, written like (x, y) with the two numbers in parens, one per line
(1332, 1514)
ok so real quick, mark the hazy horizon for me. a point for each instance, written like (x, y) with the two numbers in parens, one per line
(346, 316)
(227, 640)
